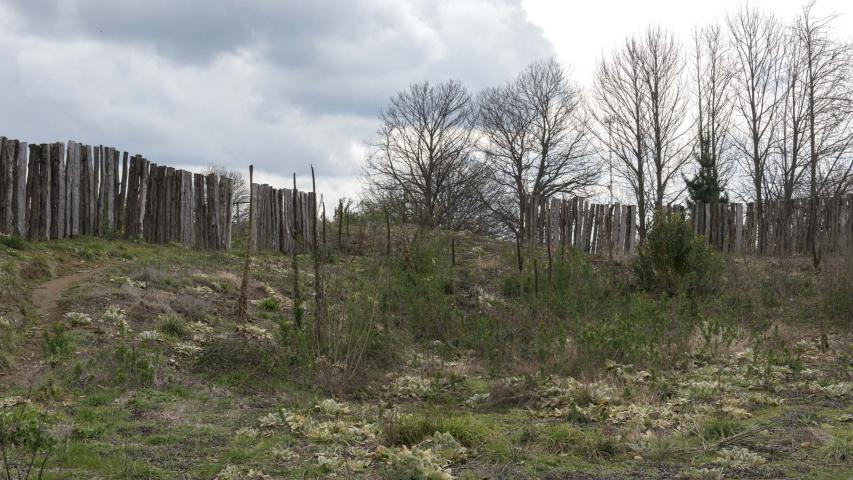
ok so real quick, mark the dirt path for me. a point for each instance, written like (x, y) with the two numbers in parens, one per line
(45, 299)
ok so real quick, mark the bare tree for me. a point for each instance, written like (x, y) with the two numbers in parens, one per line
(662, 73)
(642, 104)
(535, 142)
(240, 198)
(712, 78)
(622, 103)
(758, 44)
(787, 167)
(829, 114)
(423, 150)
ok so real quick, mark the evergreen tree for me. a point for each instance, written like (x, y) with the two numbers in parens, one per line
(705, 186)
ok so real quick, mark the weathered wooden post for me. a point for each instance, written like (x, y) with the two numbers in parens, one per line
(297, 300)
(243, 301)
(20, 194)
(7, 161)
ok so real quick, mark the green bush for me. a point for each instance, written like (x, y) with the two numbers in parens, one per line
(269, 304)
(15, 243)
(673, 259)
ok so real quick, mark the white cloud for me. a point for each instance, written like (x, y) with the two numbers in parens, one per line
(281, 85)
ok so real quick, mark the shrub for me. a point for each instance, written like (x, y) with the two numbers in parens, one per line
(269, 304)
(15, 243)
(673, 259)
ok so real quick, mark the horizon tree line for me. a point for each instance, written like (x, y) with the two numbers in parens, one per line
(755, 108)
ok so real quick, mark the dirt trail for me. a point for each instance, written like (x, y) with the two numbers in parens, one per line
(45, 300)
(45, 297)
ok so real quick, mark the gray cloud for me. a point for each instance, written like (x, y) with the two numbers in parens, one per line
(277, 83)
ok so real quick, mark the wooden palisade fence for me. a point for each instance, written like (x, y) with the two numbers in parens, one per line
(282, 224)
(612, 229)
(58, 190)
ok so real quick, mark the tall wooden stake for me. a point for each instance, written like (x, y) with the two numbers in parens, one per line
(340, 222)
(548, 242)
(319, 303)
(243, 303)
(297, 300)
(387, 233)
(535, 277)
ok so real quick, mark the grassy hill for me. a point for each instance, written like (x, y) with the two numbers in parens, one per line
(124, 360)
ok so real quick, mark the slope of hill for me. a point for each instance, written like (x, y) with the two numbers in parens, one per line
(123, 360)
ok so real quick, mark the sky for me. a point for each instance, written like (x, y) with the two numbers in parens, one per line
(286, 84)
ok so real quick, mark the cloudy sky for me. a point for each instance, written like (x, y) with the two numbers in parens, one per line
(286, 83)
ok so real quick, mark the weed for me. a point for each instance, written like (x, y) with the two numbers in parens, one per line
(414, 464)
(55, 344)
(567, 439)
(467, 429)
(238, 361)
(26, 441)
(172, 326)
(133, 366)
(839, 447)
(716, 427)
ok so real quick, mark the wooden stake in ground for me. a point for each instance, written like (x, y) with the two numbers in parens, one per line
(243, 303)
(387, 232)
(319, 302)
(548, 242)
(297, 301)
(323, 203)
(340, 222)
(535, 277)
